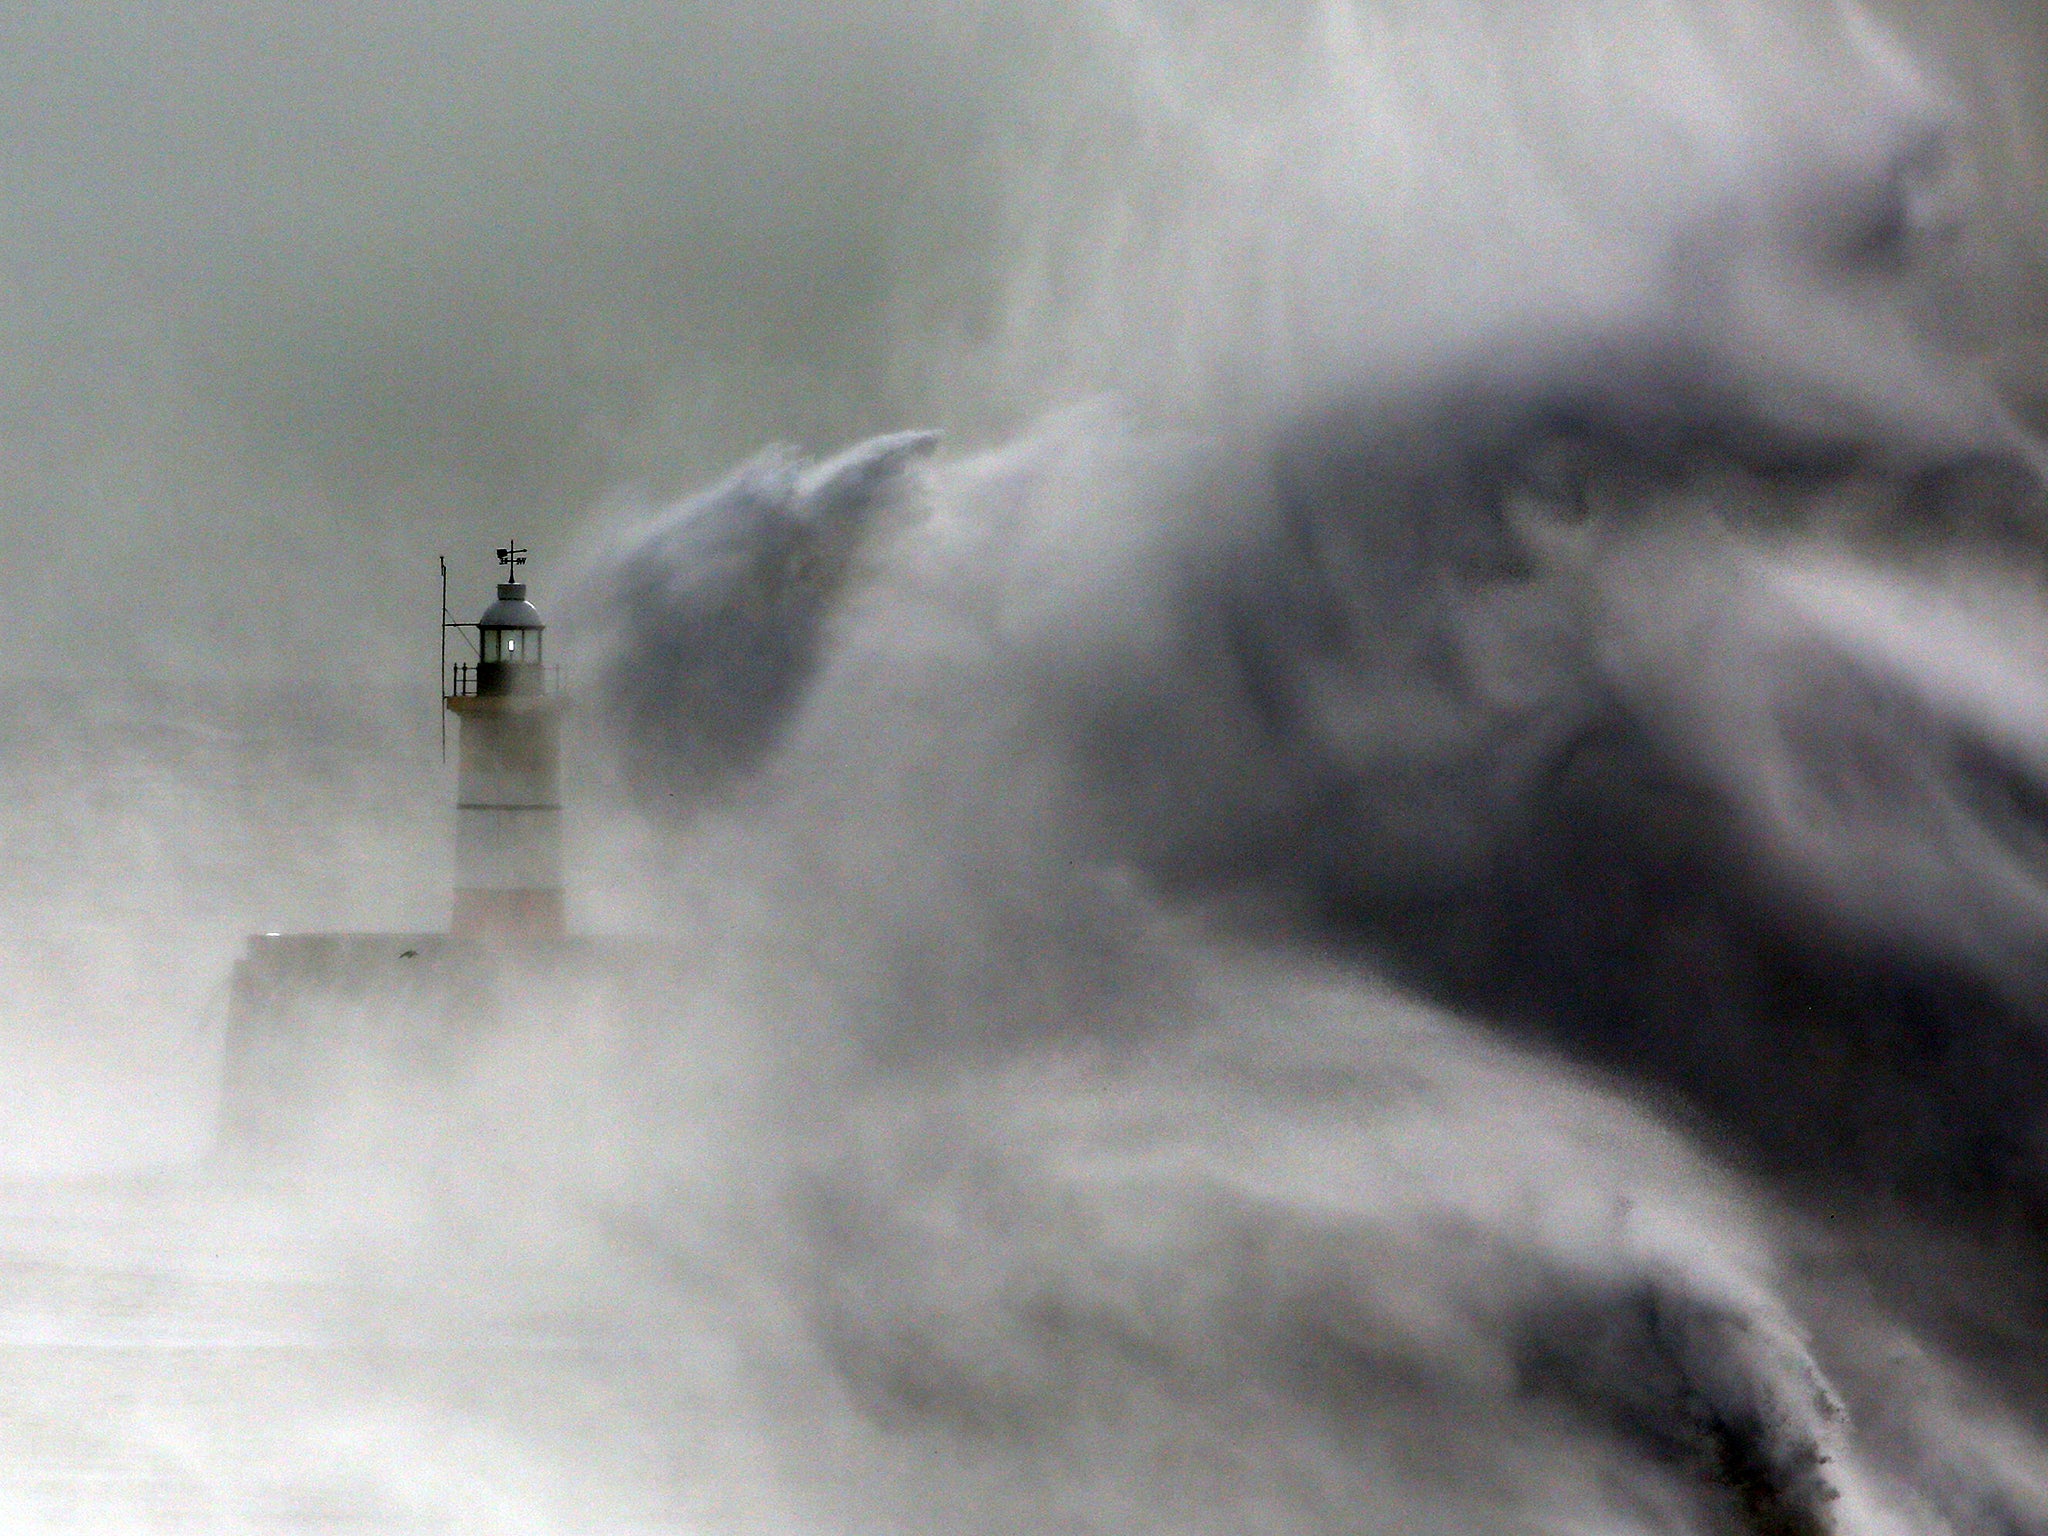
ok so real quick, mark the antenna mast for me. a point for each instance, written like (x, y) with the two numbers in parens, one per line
(441, 684)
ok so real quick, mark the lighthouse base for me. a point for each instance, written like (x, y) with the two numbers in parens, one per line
(320, 1025)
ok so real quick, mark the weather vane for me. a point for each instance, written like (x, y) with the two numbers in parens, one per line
(512, 557)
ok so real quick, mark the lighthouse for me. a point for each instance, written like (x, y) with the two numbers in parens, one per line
(508, 813)
(306, 1013)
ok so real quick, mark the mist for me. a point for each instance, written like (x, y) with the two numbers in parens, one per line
(293, 300)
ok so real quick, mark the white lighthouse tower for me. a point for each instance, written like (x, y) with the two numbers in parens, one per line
(508, 816)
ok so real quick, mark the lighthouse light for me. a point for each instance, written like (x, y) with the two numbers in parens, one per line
(513, 646)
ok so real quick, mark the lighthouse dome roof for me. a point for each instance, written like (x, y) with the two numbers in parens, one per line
(511, 610)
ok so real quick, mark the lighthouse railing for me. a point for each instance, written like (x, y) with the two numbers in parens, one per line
(461, 681)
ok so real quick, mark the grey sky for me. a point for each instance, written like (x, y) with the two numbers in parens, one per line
(293, 296)
(286, 287)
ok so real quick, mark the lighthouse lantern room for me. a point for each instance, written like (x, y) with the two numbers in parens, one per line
(508, 816)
